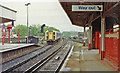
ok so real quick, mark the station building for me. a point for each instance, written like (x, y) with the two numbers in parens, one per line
(7, 18)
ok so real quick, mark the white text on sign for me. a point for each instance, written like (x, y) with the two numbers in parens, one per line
(87, 8)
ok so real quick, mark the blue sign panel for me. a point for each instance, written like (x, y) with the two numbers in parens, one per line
(87, 7)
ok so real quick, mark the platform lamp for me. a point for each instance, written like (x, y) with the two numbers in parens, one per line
(27, 21)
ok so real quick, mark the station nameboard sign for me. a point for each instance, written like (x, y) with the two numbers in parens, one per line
(87, 7)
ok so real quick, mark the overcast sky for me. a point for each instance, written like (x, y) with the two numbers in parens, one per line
(49, 12)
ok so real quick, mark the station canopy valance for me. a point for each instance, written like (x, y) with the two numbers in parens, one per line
(7, 14)
(82, 18)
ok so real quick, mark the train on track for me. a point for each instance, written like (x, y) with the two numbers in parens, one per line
(52, 36)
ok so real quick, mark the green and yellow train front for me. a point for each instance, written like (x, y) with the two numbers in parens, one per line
(50, 36)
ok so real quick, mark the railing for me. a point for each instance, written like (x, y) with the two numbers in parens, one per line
(112, 45)
(14, 40)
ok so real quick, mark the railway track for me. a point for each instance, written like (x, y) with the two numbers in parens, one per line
(13, 54)
(52, 62)
(23, 54)
(11, 65)
(23, 63)
(55, 63)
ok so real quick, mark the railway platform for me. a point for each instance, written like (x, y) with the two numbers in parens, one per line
(12, 51)
(8, 47)
(82, 59)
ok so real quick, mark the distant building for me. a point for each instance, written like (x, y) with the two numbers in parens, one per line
(80, 34)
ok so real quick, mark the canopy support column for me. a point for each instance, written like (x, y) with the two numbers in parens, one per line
(90, 38)
(102, 36)
(84, 36)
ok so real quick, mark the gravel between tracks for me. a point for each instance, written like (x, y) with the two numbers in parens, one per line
(23, 58)
(54, 64)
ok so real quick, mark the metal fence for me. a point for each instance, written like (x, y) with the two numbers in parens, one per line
(14, 40)
(112, 46)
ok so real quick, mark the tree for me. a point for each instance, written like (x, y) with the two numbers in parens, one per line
(23, 30)
(33, 30)
(52, 28)
(66, 33)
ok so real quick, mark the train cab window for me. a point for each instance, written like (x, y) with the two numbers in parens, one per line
(53, 33)
(47, 33)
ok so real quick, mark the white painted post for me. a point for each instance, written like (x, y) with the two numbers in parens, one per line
(84, 37)
(102, 36)
(90, 39)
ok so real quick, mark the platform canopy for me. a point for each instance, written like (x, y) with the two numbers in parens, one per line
(7, 14)
(84, 18)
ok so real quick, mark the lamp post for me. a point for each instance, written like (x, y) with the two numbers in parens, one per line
(27, 21)
(29, 31)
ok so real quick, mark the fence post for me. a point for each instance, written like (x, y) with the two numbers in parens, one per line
(5, 36)
(19, 36)
(2, 40)
(96, 40)
(9, 35)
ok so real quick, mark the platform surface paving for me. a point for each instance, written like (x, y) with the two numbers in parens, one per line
(81, 59)
(7, 47)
